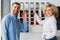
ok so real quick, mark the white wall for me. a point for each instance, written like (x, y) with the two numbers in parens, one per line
(0, 9)
(5, 7)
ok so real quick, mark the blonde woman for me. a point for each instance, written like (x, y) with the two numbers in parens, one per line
(49, 23)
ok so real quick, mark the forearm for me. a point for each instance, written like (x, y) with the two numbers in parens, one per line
(4, 34)
(38, 19)
(25, 24)
(4, 37)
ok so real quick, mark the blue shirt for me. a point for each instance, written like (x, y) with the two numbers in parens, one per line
(10, 27)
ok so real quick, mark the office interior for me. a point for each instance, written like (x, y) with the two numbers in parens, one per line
(34, 31)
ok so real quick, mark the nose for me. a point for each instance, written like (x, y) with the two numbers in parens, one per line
(16, 8)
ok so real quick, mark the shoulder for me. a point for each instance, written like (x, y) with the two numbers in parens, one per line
(52, 20)
(6, 18)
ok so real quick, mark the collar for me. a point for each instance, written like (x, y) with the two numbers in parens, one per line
(12, 15)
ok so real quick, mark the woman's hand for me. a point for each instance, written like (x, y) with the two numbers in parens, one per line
(24, 14)
(44, 37)
(34, 11)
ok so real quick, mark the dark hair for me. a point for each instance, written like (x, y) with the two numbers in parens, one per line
(16, 3)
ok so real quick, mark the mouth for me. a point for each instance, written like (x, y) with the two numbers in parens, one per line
(16, 11)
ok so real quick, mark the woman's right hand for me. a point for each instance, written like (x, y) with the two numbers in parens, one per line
(34, 11)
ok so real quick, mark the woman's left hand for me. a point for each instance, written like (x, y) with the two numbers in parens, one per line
(44, 37)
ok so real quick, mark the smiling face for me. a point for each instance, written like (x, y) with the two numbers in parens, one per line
(15, 9)
(48, 12)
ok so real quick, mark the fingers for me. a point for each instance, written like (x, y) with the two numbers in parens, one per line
(24, 11)
(44, 37)
(24, 14)
(34, 11)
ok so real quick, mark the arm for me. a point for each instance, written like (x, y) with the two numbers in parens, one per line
(24, 15)
(38, 19)
(4, 29)
(23, 26)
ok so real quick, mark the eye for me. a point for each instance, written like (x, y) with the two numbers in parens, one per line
(14, 6)
(18, 7)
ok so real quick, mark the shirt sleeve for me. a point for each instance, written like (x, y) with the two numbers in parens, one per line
(53, 26)
(24, 25)
(38, 19)
(4, 29)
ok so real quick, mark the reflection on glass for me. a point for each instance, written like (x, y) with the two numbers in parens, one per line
(47, 2)
(42, 4)
(37, 23)
(37, 12)
(32, 21)
(21, 20)
(27, 19)
(31, 5)
(27, 13)
(21, 11)
(22, 5)
(42, 14)
(26, 5)
(37, 5)
(32, 15)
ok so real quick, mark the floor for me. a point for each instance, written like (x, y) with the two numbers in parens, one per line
(58, 37)
(32, 36)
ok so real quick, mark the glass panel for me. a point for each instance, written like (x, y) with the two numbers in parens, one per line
(32, 15)
(31, 5)
(42, 4)
(42, 14)
(22, 5)
(37, 12)
(37, 5)
(21, 11)
(26, 6)
(47, 2)
(21, 19)
(27, 13)
(37, 23)
(27, 19)
(32, 21)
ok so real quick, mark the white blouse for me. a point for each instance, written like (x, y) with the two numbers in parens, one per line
(49, 26)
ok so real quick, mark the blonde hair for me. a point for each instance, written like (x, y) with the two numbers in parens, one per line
(54, 9)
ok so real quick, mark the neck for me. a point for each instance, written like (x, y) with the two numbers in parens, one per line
(13, 13)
